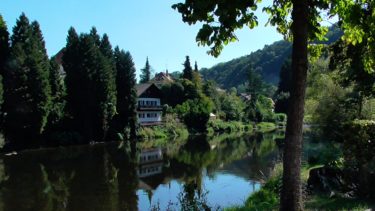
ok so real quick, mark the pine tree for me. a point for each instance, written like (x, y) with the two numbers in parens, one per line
(90, 84)
(57, 93)
(26, 80)
(187, 72)
(126, 94)
(74, 77)
(145, 73)
(38, 80)
(4, 49)
(196, 78)
(196, 67)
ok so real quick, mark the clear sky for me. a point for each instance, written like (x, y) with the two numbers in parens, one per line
(143, 27)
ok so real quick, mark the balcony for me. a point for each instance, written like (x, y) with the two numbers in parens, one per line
(150, 108)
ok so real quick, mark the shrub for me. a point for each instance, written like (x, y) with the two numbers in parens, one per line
(195, 113)
(266, 126)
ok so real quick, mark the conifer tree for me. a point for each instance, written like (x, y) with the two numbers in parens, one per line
(145, 73)
(4, 49)
(126, 94)
(196, 77)
(90, 84)
(74, 77)
(196, 67)
(57, 93)
(187, 72)
(27, 90)
(107, 82)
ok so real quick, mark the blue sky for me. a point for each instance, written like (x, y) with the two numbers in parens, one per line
(143, 27)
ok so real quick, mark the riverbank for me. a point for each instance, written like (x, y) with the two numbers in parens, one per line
(267, 197)
(173, 130)
(327, 183)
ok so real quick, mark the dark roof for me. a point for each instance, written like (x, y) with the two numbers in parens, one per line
(148, 89)
(142, 88)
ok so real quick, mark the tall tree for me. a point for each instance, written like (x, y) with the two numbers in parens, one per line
(296, 19)
(187, 72)
(196, 67)
(26, 80)
(4, 49)
(57, 93)
(90, 84)
(126, 94)
(145, 73)
(254, 88)
(74, 77)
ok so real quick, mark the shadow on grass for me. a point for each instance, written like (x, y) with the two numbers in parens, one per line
(323, 202)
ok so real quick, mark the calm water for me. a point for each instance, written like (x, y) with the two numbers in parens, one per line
(196, 173)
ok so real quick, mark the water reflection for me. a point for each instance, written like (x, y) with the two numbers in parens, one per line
(204, 172)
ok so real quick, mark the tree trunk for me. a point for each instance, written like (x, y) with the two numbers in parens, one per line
(291, 193)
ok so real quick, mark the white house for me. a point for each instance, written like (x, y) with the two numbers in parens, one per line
(149, 109)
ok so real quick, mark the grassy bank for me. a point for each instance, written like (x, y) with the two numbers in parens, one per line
(171, 129)
(267, 197)
(219, 126)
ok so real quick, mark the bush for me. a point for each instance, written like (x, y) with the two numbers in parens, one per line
(280, 119)
(359, 142)
(359, 147)
(195, 113)
(221, 126)
(266, 126)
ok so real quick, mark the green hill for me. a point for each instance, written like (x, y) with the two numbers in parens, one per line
(266, 61)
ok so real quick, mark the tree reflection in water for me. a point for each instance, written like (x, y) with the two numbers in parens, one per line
(106, 177)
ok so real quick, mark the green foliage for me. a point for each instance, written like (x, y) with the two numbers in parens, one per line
(145, 73)
(266, 126)
(267, 198)
(4, 49)
(324, 202)
(90, 83)
(210, 89)
(260, 109)
(57, 93)
(170, 130)
(195, 113)
(233, 107)
(230, 15)
(359, 142)
(26, 84)
(357, 22)
(232, 126)
(126, 93)
(173, 93)
(266, 62)
(190, 90)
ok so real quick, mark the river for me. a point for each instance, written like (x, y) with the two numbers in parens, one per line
(200, 172)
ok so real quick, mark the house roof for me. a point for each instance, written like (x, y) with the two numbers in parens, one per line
(142, 88)
(148, 89)
(162, 77)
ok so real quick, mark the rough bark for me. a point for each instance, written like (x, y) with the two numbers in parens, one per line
(291, 193)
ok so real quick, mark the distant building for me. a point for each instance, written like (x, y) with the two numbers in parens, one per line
(245, 97)
(162, 78)
(149, 109)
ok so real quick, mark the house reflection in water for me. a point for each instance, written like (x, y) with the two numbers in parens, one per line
(150, 162)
